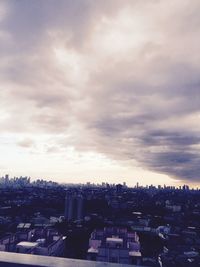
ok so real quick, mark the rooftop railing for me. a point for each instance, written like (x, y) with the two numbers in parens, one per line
(8, 259)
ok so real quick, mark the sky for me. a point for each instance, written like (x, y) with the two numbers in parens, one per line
(100, 91)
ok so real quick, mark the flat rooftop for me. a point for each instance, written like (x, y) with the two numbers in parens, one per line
(25, 260)
(114, 239)
(26, 244)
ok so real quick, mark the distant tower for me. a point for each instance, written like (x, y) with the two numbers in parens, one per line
(74, 206)
(80, 203)
(119, 188)
(6, 179)
(69, 206)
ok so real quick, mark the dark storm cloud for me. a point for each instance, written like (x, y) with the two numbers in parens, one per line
(138, 103)
(170, 138)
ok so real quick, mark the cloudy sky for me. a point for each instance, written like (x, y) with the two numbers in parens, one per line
(100, 90)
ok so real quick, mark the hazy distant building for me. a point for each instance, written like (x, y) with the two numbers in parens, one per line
(119, 188)
(74, 204)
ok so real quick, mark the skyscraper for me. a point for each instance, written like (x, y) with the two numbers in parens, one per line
(74, 203)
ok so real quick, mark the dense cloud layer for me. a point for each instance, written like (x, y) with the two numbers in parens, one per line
(117, 77)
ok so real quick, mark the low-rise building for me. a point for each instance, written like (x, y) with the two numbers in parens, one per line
(41, 241)
(114, 244)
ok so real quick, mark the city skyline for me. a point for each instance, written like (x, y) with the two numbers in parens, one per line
(94, 91)
(7, 181)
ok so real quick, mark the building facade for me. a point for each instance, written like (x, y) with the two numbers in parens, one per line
(74, 205)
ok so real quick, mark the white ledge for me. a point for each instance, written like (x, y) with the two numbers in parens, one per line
(17, 259)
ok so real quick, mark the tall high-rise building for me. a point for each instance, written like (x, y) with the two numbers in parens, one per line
(68, 206)
(74, 205)
(80, 206)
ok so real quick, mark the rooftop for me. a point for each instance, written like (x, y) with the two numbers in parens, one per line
(114, 239)
(26, 244)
